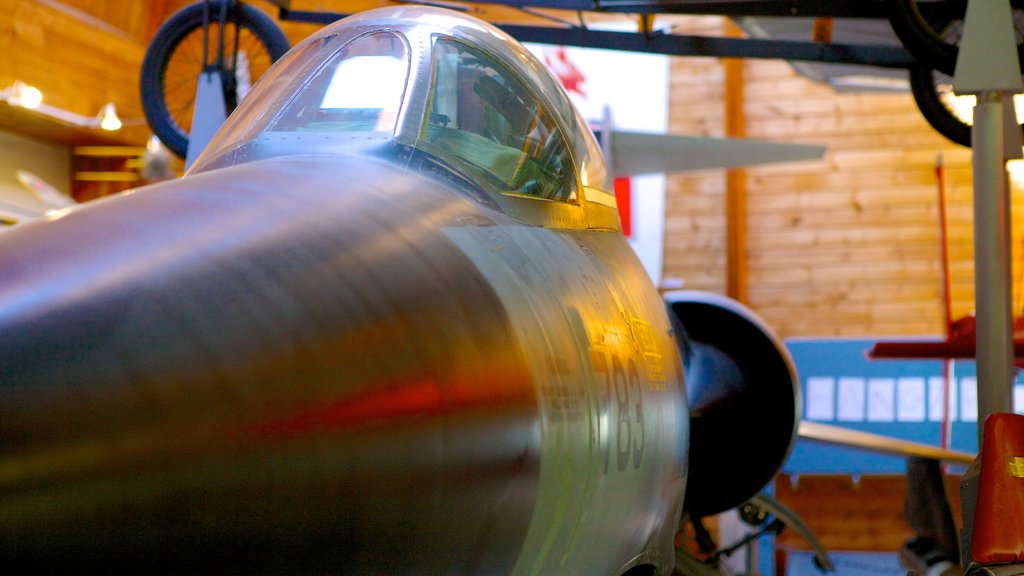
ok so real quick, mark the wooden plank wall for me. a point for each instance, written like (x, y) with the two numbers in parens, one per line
(862, 514)
(846, 246)
(695, 226)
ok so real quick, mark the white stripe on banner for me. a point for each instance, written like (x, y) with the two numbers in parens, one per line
(851, 400)
(968, 399)
(936, 384)
(910, 405)
(881, 402)
(911, 399)
(820, 399)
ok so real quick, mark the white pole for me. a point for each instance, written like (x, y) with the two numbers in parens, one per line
(991, 250)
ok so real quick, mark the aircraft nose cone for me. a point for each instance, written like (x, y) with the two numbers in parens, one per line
(276, 363)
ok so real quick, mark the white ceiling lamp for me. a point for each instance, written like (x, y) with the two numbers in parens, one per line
(21, 94)
(962, 106)
(108, 117)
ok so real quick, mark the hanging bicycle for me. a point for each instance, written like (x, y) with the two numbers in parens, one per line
(235, 40)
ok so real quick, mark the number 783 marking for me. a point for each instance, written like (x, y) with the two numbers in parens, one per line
(623, 399)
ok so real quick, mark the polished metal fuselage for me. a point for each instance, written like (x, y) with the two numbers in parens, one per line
(332, 363)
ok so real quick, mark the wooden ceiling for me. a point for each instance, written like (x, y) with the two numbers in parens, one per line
(81, 55)
(84, 53)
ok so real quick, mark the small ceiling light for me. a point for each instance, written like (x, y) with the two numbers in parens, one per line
(28, 96)
(21, 94)
(154, 144)
(1016, 171)
(108, 117)
(25, 96)
(963, 106)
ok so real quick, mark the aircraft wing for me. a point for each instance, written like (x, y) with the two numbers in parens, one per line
(11, 214)
(45, 199)
(839, 436)
(53, 198)
(635, 153)
(8, 219)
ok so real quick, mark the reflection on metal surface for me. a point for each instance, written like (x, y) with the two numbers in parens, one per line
(223, 372)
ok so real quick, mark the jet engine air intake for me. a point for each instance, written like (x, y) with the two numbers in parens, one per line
(743, 396)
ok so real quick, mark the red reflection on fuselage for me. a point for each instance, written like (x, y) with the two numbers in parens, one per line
(416, 400)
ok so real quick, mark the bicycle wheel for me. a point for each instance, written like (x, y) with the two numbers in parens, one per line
(175, 59)
(931, 30)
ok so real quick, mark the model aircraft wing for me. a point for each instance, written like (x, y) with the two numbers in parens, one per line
(51, 197)
(635, 153)
(8, 219)
(11, 214)
(839, 436)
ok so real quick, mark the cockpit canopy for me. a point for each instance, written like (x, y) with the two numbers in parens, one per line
(359, 89)
(427, 78)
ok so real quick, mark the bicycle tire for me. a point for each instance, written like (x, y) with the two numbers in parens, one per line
(923, 38)
(922, 85)
(167, 41)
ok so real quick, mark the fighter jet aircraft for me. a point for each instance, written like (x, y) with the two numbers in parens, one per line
(387, 324)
